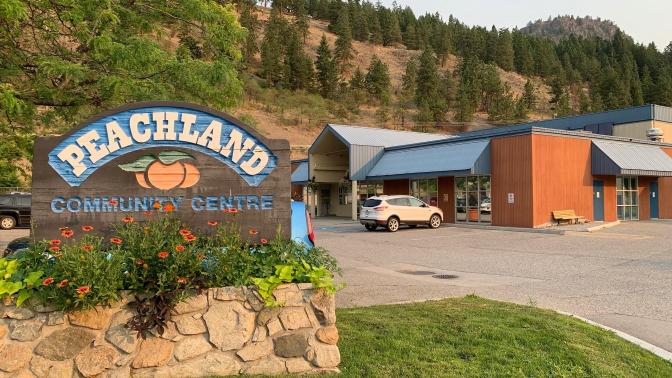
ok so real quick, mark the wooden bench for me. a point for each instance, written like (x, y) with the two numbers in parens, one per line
(568, 216)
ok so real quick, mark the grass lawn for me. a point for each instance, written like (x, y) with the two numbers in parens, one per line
(476, 337)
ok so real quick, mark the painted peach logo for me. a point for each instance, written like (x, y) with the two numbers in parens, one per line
(167, 171)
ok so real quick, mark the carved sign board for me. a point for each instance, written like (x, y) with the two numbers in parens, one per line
(130, 160)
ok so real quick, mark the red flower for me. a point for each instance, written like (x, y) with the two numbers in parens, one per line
(87, 228)
(55, 249)
(62, 283)
(127, 219)
(189, 238)
(139, 262)
(87, 247)
(83, 290)
(182, 280)
(179, 248)
(67, 233)
(113, 202)
(252, 231)
(185, 232)
(264, 241)
(148, 213)
(115, 241)
(55, 242)
(156, 205)
(162, 255)
(48, 281)
(233, 210)
(168, 208)
(212, 223)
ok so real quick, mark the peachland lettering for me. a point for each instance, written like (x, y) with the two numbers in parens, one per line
(163, 126)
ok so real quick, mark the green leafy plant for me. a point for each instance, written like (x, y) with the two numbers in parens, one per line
(302, 272)
(17, 283)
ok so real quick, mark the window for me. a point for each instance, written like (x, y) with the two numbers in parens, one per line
(426, 190)
(344, 193)
(416, 202)
(372, 202)
(472, 199)
(627, 198)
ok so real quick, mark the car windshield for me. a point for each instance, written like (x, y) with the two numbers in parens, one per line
(371, 202)
(5, 201)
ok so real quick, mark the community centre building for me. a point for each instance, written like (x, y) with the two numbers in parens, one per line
(606, 166)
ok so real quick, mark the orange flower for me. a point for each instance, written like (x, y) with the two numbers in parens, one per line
(212, 223)
(185, 232)
(127, 219)
(264, 241)
(55, 242)
(87, 228)
(55, 249)
(115, 241)
(233, 210)
(67, 233)
(168, 208)
(87, 247)
(113, 202)
(62, 283)
(179, 248)
(140, 262)
(48, 281)
(156, 205)
(162, 255)
(200, 256)
(58, 255)
(83, 290)
(182, 280)
(148, 213)
(252, 231)
(189, 238)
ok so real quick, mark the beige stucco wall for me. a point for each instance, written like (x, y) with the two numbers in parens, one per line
(637, 130)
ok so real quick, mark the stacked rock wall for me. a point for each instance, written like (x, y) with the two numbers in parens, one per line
(224, 331)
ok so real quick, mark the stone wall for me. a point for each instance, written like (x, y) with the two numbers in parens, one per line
(224, 331)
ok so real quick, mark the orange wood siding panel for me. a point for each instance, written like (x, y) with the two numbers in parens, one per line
(665, 193)
(562, 178)
(447, 198)
(511, 168)
(643, 191)
(392, 187)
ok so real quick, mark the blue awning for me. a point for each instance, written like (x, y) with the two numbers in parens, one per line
(614, 158)
(445, 159)
(300, 174)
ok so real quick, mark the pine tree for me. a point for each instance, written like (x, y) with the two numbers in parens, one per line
(358, 86)
(468, 91)
(492, 46)
(378, 80)
(299, 72)
(374, 27)
(529, 98)
(409, 80)
(272, 48)
(301, 18)
(584, 102)
(248, 20)
(343, 50)
(505, 50)
(427, 79)
(327, 75)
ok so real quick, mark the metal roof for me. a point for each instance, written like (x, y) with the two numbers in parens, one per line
(367, 136)
(300, 174)
(471, 157)
(621, 158)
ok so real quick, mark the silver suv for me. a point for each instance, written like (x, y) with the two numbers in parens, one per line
(392, 211)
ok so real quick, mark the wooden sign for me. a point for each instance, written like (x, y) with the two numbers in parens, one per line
(131, 160)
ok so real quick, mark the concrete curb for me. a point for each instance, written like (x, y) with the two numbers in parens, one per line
(603, 226)
(658, 351)
(510, 229)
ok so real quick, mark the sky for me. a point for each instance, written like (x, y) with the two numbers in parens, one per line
(644, 20)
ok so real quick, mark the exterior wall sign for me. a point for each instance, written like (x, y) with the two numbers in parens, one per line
(511, 198)
(200, 161)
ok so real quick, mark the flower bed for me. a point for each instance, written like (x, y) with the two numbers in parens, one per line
(159, 264)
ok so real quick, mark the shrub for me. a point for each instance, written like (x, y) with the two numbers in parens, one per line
(16, 282)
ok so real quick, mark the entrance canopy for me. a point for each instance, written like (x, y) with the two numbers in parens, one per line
(614, 158)
(300, 174)
(444, 159)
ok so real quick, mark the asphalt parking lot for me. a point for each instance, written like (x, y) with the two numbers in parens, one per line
(620, 277)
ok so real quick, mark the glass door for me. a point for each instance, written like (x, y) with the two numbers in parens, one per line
(473, 199)
(627, 198)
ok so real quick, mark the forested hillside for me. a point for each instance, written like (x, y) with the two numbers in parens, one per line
(561, 27)
(287, 67)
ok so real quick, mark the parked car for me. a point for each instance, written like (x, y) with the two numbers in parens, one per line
(392, 211)
(302, 227)
(486, 205)
(14, 210)
(16, 246)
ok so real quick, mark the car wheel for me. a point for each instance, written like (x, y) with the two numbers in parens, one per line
(7, 222)
(435, 221)
(393, 224)
(371, 227)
